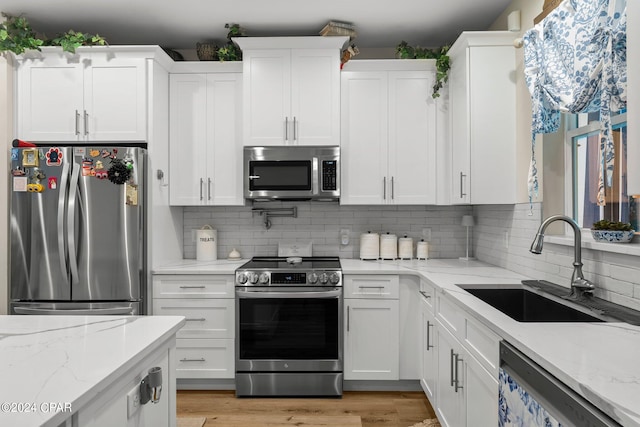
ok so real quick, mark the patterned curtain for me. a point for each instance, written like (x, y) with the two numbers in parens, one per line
(575, 61)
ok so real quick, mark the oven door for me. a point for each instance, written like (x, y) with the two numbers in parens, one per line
(284, 329)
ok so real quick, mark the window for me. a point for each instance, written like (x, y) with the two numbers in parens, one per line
(583, 146)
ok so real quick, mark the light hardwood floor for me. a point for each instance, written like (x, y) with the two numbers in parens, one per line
(376, 409)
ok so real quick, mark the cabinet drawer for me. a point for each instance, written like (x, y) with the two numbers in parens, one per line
(193, 286)
(372, 286)
(205, 318)
(205, 358)
(428, 294)
(483, 344)
(451, 316)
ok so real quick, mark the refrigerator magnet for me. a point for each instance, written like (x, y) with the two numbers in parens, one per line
(30, 157)
(132, 195)
(14, 154)
(35, 187)
(19, 183)
(18, 171)
(94, 152)
(54, 156)
(53, 183)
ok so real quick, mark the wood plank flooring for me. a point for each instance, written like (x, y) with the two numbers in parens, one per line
(375, 409)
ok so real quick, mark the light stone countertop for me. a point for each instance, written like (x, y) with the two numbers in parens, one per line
(69, 360)
(600, 361)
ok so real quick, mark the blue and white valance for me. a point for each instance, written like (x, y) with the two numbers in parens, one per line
(575, 62)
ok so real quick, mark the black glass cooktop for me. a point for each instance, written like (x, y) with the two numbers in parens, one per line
(280, 263)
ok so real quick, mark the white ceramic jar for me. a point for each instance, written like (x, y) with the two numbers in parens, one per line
(388, 246)
(369, 246)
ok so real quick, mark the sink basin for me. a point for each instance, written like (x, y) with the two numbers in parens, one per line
(526, 306)
(542, 301)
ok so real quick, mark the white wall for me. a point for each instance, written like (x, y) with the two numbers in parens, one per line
(6, 136)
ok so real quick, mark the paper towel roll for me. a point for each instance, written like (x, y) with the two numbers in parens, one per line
(206, 244)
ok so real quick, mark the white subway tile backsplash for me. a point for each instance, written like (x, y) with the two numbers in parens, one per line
(240, 228)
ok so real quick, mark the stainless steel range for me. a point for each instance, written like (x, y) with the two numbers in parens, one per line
(289, 327)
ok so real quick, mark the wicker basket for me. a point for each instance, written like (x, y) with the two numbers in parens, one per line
(207, 51)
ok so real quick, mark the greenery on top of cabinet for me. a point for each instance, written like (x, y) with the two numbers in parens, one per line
(17, 36)
(405, 51)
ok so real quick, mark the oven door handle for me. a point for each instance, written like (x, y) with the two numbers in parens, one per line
(293, 294)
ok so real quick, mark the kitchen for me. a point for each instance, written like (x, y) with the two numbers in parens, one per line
(323, 224)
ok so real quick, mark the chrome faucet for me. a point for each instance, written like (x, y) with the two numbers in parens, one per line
(580, 286)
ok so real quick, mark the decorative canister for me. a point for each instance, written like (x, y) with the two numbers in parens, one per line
(405, 247)
(369, 246)
(388, 246)
(206, 244)
(422, 250)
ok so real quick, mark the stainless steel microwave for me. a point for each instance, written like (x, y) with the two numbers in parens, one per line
(292, 173)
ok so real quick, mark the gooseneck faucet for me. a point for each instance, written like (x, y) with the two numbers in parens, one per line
(580, 286)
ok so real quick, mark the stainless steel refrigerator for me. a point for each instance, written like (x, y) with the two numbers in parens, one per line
(78, 230)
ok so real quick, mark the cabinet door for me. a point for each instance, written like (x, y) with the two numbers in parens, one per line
(428, 351)
(371, 340)
(481, 395)
(450, 401)
(492, 124)
(412, 138)
(115, 100)
(267, 97)
(223, 140)
(49, 99)
(460, 137)
(187, 139)
(315, 96)
(364, 138)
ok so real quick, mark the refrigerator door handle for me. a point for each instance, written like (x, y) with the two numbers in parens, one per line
(75, 312)
(62, 203)
(71, 219)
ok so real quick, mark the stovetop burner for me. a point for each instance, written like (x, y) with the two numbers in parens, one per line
(281, 263)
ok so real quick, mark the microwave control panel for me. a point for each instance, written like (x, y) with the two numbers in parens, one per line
(329, 175)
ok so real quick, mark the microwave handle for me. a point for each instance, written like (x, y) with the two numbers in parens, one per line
(315, 184)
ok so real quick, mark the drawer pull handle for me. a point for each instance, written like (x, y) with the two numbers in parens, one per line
(193, 360)
(457, 385)
(201, 319)
(424, 294)
(371, 287)
(192, 287)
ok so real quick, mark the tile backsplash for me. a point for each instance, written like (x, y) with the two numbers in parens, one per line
(243, 229)
(615, 275)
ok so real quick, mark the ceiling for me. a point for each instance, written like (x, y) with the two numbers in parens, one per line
(180, 24)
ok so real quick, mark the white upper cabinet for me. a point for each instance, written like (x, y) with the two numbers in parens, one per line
(89, 96)
(291, 90)
(482, 95)
(205, 144)
(388, 138)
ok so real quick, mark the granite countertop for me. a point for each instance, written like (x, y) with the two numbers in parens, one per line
(68, 360)
(597, 360)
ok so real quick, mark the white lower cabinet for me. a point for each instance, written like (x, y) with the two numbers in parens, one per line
(110, 407)
(371, 319)
(205, 344)
(429, 372)
(466, 380)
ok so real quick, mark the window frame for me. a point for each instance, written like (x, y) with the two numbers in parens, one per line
(570, 174)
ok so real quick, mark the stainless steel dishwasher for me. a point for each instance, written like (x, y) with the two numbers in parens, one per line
(532, 397)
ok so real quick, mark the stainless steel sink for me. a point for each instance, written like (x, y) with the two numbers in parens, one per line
(541, 301)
